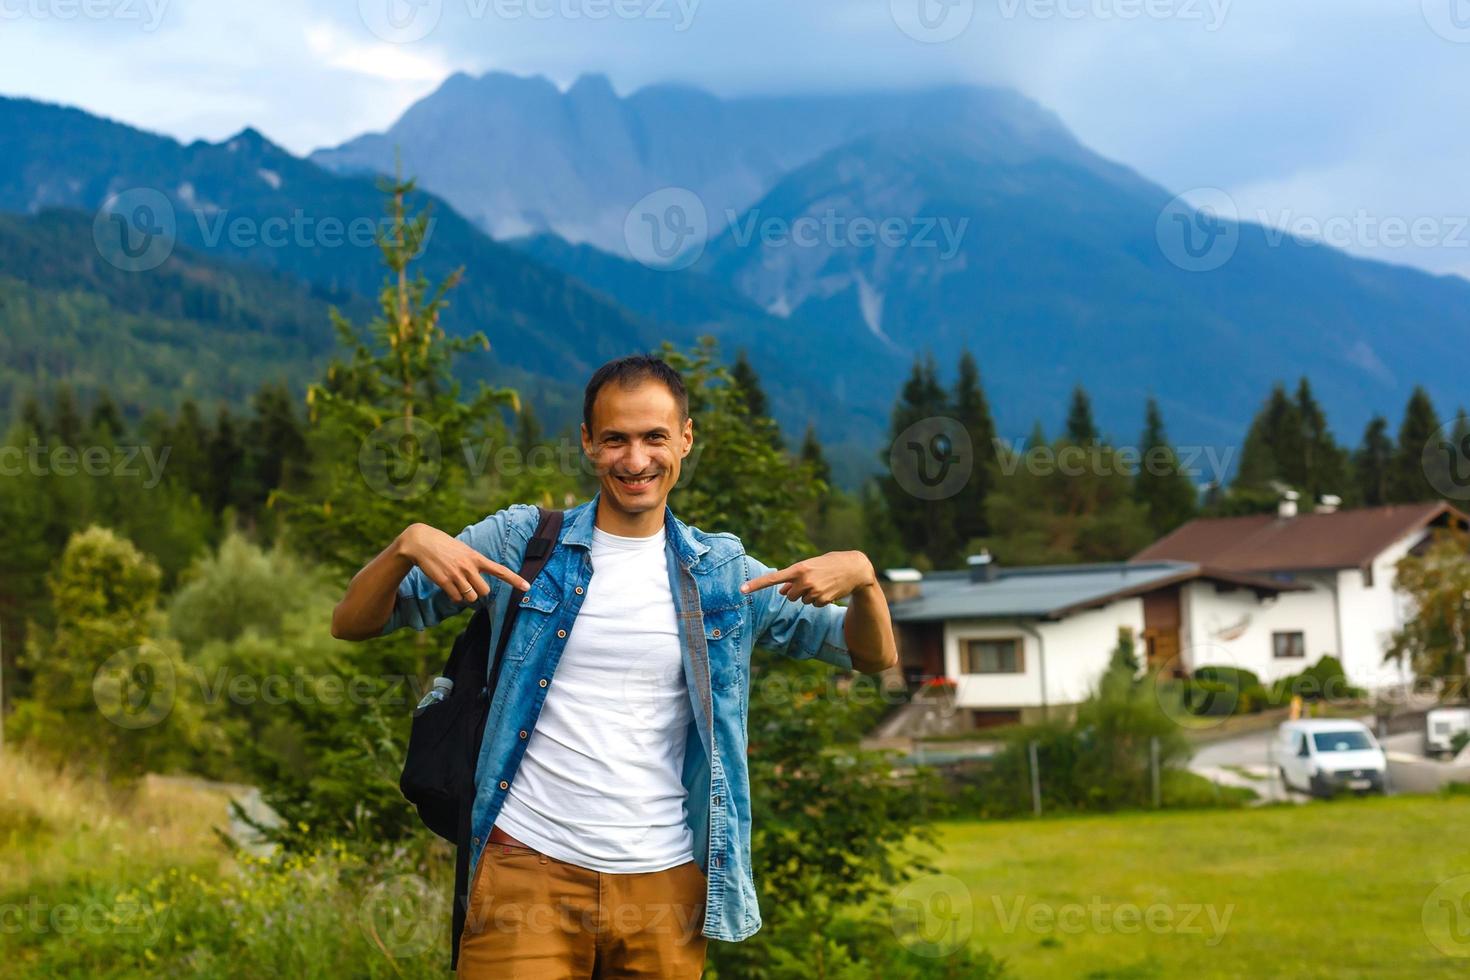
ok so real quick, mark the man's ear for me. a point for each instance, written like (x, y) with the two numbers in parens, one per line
(688, 437)
(586, 440)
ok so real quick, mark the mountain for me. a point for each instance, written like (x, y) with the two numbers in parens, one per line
(520, 157)
(246, 199)
(1055, 267)
(195, 328)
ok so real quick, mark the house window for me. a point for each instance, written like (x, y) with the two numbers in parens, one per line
(992, 657)
(1288, 646)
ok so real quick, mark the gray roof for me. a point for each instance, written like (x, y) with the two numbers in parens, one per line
(1055, 591)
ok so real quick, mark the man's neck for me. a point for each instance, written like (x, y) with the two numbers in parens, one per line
(641, 525)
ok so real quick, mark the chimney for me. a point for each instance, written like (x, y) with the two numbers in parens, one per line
(899, 584)
(1287, 505)
(982, 567)
(1330, 503)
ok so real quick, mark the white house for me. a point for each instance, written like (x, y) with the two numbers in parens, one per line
(1270, 593)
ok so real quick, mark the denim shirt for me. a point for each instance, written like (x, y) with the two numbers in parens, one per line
(718, 629)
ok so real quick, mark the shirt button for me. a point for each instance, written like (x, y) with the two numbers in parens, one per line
(542, 682)
(475, 841)
(579, 590)
(717, 633)
(561, 634)
(504, 784)
(525, 598)
(523, 733)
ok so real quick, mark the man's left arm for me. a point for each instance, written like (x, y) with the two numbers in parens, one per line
(867, 630)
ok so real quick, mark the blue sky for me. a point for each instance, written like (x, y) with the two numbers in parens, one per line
(1343, 120)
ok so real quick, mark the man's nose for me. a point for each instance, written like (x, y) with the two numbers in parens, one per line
(637, 458)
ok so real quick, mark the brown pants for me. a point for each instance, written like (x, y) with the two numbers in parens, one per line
(534, 917)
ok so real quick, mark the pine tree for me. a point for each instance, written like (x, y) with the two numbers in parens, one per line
(226, 463)
(972, 411)
(1081, 430)
(106, 425)
(1408, 481)
(66, 417)
(1161, 485)
(1372, 464)
(276, 455)
(387, 429)
(1324, 463)
(33, 417)
(187, 441)
(756, 405)
(1273, 449)
(811, 452)
(924, 527)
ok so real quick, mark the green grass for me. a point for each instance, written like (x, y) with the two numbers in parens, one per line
(1325, 890)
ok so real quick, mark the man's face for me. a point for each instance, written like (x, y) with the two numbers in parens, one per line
(637, 444)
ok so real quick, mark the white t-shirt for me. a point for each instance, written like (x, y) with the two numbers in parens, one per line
(599, 783)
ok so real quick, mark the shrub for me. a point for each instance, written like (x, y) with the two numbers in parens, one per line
(1323, 681)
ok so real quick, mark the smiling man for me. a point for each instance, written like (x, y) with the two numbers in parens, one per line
(612, 812)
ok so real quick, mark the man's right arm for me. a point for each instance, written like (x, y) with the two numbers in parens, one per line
(443, 575)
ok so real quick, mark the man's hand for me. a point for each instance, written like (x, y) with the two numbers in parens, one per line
(453, 565)
(821, 580)
(866, 626)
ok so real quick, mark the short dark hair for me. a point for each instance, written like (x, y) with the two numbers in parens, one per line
(629, 371)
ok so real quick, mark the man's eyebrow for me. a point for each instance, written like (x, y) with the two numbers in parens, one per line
(656, 430)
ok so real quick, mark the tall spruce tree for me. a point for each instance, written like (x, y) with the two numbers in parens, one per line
(1273, 449)
(925, 528)
(1372, 464)
(1324, 462)
(387, 437)
(1409, 483)
(972, 410)
(1081, 429)
(1161, 485)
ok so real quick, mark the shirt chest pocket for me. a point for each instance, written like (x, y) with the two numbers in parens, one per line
(722, 629)
(537, 614)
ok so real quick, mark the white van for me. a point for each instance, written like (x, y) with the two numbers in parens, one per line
(1441, 725)
(1323, 756)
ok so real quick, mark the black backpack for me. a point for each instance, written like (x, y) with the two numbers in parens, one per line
(449, 724)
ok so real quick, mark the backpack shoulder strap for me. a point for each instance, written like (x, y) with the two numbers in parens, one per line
(538, 552)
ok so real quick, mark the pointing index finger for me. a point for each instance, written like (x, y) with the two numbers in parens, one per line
(504, 574)
(768, 579)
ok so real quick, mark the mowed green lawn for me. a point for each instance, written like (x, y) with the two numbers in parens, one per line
(1350, 888)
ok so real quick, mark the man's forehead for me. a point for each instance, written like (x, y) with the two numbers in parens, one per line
(640, 409)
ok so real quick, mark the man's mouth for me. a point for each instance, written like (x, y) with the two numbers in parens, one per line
(638, 482)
